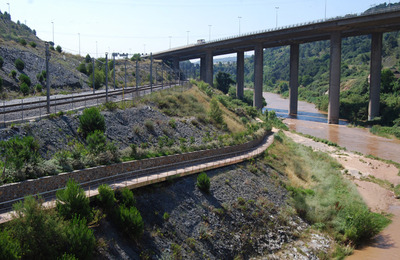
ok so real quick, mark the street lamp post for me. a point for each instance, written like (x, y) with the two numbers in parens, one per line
(325, 9)
(9, 13)
(239, 17)
(209, 32)
(79, 37)
(277, 8)
(53, 32)
(187, 37)
(170, 41)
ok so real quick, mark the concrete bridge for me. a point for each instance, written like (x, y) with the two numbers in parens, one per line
(333, 29)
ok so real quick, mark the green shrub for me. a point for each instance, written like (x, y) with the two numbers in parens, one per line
(96, 142)
(90, 121)
(131, 221)
(41, 235)
(24, 89)
(38, 87)
(18, 152)
(19, 64)
(172, 123)
(203, 182)
(24, 79)
(13, 74)
(149, 125)
(358, 224)
(166, 216)
(82, 68)
(59, 49)
(81, 240)
(72, 201)
(32, 44)
(107, 197)
(22, 41)
(125, 197)
(9, 247)
(215, 112)
(1, 62)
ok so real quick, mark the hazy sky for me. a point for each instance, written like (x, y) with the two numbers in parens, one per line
(153, 25)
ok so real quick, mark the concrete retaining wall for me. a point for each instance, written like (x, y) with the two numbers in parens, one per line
(49, 183)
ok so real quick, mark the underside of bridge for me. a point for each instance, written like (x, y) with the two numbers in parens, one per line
(333, 30)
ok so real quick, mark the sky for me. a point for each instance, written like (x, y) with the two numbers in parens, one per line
(142, 26)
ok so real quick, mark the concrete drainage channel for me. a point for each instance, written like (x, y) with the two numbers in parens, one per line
(148, 176)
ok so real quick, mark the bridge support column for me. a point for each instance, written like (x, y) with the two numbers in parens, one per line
(294, 78)
(334, 78)
(258, 76)
(375, 73)
(240, 74)
(209, 68)
(203, 68)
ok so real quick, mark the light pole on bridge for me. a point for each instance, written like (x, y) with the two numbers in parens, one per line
(239, 17)
(209, 32)
(277, 8)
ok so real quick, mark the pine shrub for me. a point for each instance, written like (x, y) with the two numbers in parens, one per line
(19, 64)
(72, 201)
(203, 182)
(90, 121)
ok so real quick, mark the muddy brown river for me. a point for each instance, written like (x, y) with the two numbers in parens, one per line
(310, 121)
(313, 122)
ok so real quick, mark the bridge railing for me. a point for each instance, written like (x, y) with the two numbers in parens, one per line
(347, 16)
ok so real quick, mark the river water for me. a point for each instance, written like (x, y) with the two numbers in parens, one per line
(313, 122)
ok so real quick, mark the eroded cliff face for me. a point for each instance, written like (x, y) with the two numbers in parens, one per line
(246, 214)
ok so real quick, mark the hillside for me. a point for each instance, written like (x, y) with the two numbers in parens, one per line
(18, 41)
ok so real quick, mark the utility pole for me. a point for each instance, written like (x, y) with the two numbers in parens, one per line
(137, 76)
(114, 54)
(151, 72)
(93, 76)
(53, 32)
(47, 77)
(106, 77)
(162, 75)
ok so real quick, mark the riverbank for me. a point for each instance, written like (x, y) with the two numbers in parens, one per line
(366, 173)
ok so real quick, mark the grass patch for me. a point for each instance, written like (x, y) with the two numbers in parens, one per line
(321, 195)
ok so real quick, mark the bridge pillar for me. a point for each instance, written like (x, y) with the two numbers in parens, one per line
(240, 74)
(203, 68)
(258, 75)
(375, 73)
(294, 78)
(209, 68)
(334, 78)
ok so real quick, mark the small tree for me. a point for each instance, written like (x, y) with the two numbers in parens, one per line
(97, 142)
(91, 120)
(38, 87)
(223, 81)
(215, 112)
(131, 221)
(81, 240)
(59, 49)
(24, 89)
(82, 68)
(125, 197)
(107, 197)
(88, 58)
(203, 182)
(98, 79)
(25, 79)
(22, 41)
(19, 64)
(73, 201)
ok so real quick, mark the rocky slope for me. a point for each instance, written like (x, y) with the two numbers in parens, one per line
(245, 215)
(123, 127)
